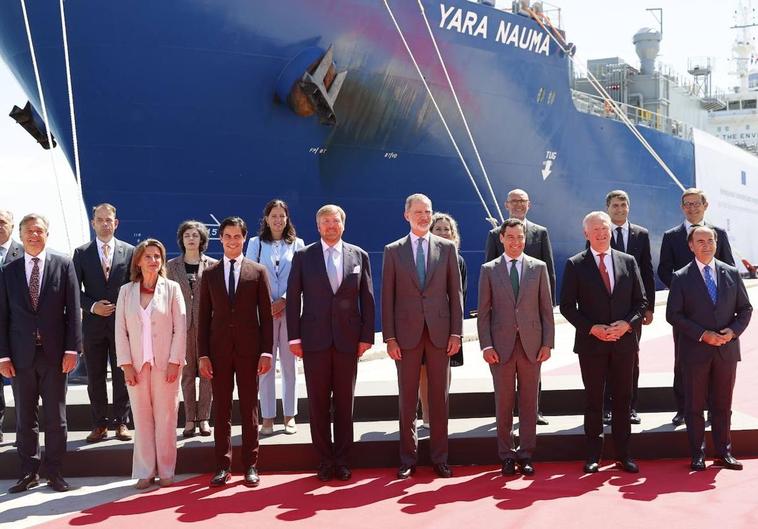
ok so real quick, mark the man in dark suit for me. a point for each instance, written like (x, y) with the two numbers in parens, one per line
(516, 333)
(40, 338)
(422, 320)
(709, 307)
(102, 267)
(10, 250)
(603, 298)
(676, 253)
(331, 281)
(537, 246)
(634, 240)
(235, 335)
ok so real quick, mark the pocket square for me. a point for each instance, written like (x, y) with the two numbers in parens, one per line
(357, 269)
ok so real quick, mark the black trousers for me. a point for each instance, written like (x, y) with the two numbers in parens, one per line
(99, 350)
(330, 380)
(617, 368)
(46, 381)
(607, 396)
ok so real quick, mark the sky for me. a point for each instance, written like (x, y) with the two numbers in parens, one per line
(691, 28)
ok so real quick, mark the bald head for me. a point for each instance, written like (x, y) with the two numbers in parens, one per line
(517, 204)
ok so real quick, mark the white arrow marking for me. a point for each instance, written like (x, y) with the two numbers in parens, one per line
(546, 171)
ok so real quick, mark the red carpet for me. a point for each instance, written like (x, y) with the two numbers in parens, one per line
(665, 493)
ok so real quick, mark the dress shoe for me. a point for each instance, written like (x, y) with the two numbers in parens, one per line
(325, 472)
(541, 419)
(251, 477)
(205, 429)
(628, 465)
(342, 473)
(678, 419)
(27, 482)
(122, 433)
(698, 463)
(591, 466)
(189, 430)
(607, 418)
(290, 427)
(525, 466)
(728, 461)
(634, 418)
(98, 433)
(267, 430)
(220, 478)
(166, 482)
(406, 471)
(442, 470)
(509, 467)
(144, 483)
(58, 484)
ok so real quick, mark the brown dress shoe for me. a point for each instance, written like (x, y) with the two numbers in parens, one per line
(122, 433)
(98, 433)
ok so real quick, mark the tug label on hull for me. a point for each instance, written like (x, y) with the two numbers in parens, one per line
(547, 164)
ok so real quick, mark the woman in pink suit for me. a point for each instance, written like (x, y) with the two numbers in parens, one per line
(151, 339)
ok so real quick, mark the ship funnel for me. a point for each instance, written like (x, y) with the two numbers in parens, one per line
(647, 42)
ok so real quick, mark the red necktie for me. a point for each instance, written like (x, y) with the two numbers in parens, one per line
(604, 273)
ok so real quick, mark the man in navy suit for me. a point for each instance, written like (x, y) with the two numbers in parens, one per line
(603, 298)
(40, 338)
(634, 240)
(676, 253)
(331, 281)
(10, 250)
(102, 267)
(709, 307)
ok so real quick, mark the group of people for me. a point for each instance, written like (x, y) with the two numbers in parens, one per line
(163, 324)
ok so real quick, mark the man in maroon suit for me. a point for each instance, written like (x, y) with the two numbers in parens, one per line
(235, 337)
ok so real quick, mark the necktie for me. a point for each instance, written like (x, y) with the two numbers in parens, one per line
(3, 251)
(106, 261)
(710, 284)
(604, 273)
(34, 283)
(421, 263)
(619, 240)
(331, 270)
(514, 278)
(231, 280)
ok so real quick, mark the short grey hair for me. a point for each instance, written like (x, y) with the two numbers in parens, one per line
(420, 197)
(332, 209)
(34, 216)
(602, 215)
(6, 214)
(517, 191)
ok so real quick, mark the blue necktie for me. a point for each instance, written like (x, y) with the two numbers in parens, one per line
(2, 254)
(331, 270)
(710, 284)
(420, 263)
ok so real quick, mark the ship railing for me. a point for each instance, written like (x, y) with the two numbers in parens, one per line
(597, 106)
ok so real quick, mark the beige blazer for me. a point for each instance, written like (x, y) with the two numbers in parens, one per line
(176, 272)
(169, 325)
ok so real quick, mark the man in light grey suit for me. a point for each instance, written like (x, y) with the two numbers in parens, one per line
(422, 321)
(516, 333)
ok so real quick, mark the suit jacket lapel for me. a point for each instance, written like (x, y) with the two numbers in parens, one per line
(406, 254)
(21, 278)
(119, 257)
(501, 270)
(631, 244)
(45, 277)
(618, 269)
(696, 278)
(589, 262)
(94, 258)
(348, 257)
(181, 274)
(433, 259)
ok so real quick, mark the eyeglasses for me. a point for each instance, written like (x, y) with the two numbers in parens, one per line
(517, 201)
(691, 204)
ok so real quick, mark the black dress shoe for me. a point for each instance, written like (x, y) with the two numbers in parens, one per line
(342, 473)
(728, 461)
(406, 471)
(509, 467)
(590, 467)
(628, 465)
(58, 484)
(220, 478)
(634, 418)
(541, 419)
(698, 463)
(251, 477)
(27, 482)
(325, 472)
(678, 419)
(525, 466)
(607, 418)
(442, 470)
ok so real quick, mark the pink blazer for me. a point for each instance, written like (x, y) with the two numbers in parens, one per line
(168, 321)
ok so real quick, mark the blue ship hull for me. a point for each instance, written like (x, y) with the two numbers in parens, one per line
(177, 118)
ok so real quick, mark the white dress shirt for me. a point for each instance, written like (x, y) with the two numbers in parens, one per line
(608, 264)
(6, 246)
(519, 264)
(337, 257)
(111, 249)
(688, 225)
(147, 335)
(624, 233)
(702, 267)
(414, 246)
(227, 265)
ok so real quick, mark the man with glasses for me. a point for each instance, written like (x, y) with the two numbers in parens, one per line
(537, 246)
(675, 254)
